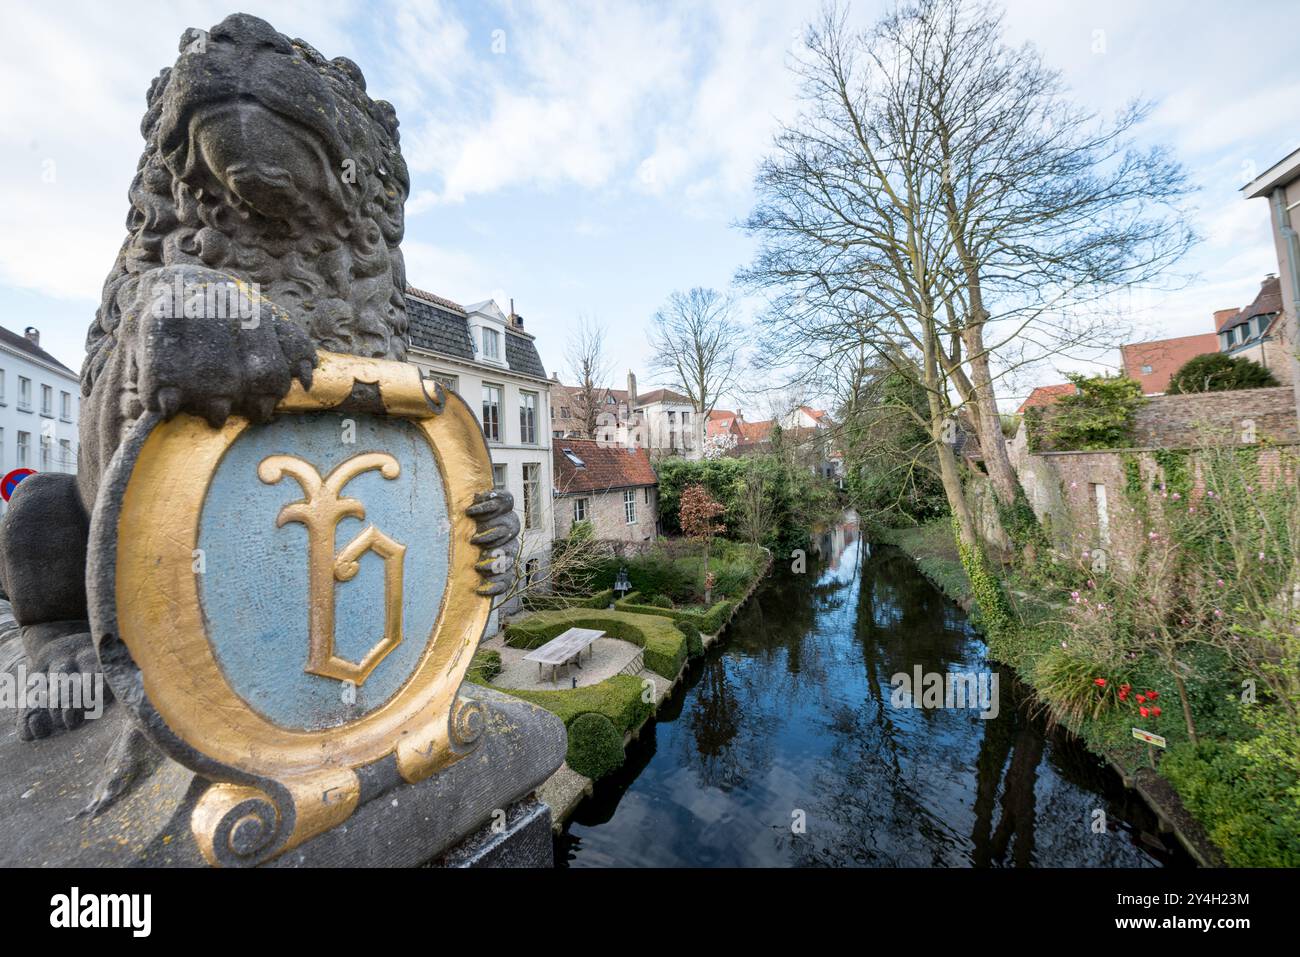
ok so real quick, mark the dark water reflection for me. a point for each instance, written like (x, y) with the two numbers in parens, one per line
(791, 712)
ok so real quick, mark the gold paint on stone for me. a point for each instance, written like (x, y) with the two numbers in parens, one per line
(161, 622)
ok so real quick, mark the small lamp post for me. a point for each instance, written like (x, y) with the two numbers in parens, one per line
(621, 584)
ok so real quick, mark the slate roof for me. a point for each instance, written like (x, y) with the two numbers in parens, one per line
(604, 467)
(442, 326)
(1165, 357)
(21, 343)
(1268, 302)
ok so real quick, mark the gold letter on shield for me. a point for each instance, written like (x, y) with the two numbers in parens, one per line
(321, 511)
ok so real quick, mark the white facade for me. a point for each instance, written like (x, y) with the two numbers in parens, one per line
(514, 410)
(40, 400)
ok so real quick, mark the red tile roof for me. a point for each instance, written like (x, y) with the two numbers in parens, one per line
(1045, 395)
(756, 431)
(603, 467)
(1164, 357)
(659, 395)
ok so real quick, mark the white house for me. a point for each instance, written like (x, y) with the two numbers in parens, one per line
(663, 422)
(40, 399)
(486, 356)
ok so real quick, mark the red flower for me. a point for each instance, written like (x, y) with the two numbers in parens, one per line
(1142, 711)
(1155, 712)
(1141, 698)
(1151, 695)
(1099, 682)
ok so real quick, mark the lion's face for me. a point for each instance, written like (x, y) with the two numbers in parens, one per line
(250, 113)
(268, 162)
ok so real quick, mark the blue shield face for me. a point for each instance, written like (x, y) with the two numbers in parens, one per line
(319, 530)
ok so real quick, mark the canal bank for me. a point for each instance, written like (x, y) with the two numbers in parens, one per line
(781, 746)
(936, 557)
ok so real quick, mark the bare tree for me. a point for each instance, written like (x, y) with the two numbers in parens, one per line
(940, 204)
(1045, 205)
(696, 341)
(852, 249)
(590, 370)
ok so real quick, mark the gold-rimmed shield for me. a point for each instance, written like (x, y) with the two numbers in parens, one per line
(286, 603)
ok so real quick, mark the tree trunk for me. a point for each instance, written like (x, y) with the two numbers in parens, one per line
(988, 422)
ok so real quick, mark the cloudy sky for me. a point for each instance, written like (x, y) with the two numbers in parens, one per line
(588, 158)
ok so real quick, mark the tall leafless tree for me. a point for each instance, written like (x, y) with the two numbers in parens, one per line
(589, 368)
(940, 203)
(696, 340)
(1044, 203)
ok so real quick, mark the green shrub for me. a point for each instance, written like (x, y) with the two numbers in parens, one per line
(620, 699)
(600, 599)
(485, 666)
(1219, 372)
(661, 601)
(1097, 416)
(664, 646)
(1067, 680)
(1237, 800)
(709, 622)
(694, 643)
(595, 746)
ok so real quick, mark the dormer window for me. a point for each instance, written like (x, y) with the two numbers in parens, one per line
(491, 343)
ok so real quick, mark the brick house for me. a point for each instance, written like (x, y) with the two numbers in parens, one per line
(1153, 363)
(611, 486)
(1256, 331)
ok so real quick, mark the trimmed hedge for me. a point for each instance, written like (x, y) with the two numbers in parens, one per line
(595, 746)
(601, 599)
(708, 622)
(694, 643)
(617, 698)
(664, 646)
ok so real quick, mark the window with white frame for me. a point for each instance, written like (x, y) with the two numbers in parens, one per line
(2, 386)
(65, 406)
(491, 343)
(532, 495)
(47, 401)
(629, 506)
(499, 477)
(24, 393)
(66, 461)
(45, 453)
(580, 509)
(24, 448)
(492, 412)
(528, 418)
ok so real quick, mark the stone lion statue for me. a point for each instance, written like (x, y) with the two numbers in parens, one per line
(267, 166)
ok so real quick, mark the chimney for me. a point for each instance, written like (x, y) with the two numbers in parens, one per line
(631, 389)
(1268, 279)
(33, 335)
(516, 320)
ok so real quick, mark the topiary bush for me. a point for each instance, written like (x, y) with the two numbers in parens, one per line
(694, 643)
(661, 601)
(664, 646)
(595, 746)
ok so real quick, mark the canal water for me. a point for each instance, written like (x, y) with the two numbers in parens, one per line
(783, 747)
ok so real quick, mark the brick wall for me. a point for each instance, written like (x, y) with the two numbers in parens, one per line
(606, 513)
(1081, 496)
(1183, 421)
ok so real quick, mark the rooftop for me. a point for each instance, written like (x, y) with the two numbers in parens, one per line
(583, 465)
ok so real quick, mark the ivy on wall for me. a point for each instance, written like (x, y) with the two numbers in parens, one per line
(1098, 416)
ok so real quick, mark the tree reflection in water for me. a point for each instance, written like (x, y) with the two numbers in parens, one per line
(791, 713)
